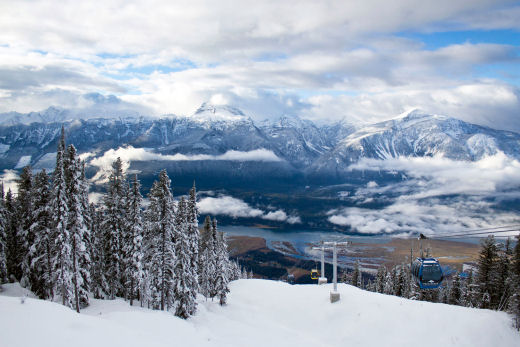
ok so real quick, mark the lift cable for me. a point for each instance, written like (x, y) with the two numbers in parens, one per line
(491, 232)
(475, 230)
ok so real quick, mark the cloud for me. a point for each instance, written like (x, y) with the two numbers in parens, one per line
(233, 207)
(486, 102)
(437, 195)
(95, 198)
(229, 206)
(129, 154)
(324, 60)
(442, 176)
(9, 178)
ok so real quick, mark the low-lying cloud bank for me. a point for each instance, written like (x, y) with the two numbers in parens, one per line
(236, 208)
(129, 154)
(445, 176)
(438, 195)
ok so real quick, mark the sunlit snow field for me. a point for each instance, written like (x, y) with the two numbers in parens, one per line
(258, 313)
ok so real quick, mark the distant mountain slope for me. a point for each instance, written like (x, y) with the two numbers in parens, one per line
(416, 134)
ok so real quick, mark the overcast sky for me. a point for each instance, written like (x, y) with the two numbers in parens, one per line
(324, 60)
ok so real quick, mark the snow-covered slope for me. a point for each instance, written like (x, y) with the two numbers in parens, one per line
(259, 313)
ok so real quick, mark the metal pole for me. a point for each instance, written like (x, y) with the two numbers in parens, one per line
(335, 265)
(322, 261)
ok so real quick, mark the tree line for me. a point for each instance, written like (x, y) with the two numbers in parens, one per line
(494, 282)
(61, 247)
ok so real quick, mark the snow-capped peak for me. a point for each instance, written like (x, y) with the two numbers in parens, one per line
(417, 114)
(211, 112)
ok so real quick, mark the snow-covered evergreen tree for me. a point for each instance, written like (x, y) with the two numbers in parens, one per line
(3, 236)
(113, 224)
(502, 278)
(134, 243)
(388, 287)
(402, 282)
(13, 251)
(86, 259)
(192, 220)
(62, 255)
(235, 273)
(24, 220)
(514, 301)
(159, 243)
(42, 249)
(486, 276)
(455, 292)
(356, 276)
(381, 279)
(207, 259)
(472, 296)
(185, 282)
(98, 280)
(80, 259)
(220, 287)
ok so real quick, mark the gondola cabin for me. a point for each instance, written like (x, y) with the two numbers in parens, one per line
(427, 273)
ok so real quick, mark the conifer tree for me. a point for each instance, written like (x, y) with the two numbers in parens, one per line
(3, 236)
(80, 259)
(402, 282)
(13, 251)
(62, 257)
(185, 282)
(86, 259)
(192, 219)
(235, 271)
(487, 271)
(113, 225)
(388, 287)
(455, 292)
(473, 294)
(43, 247)
(380, 279)
(159, 246)
(98, 280)
(356, 275)
(222, 258)
(24, 220)
(134, 243)
(207, 260)
(394, 281)
(514, 301)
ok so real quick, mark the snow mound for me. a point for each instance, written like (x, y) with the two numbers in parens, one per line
(260, 313)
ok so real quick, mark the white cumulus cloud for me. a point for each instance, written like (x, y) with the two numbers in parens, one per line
(233, 207)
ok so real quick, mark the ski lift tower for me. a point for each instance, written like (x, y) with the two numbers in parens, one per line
(322, 279)
(334, 294)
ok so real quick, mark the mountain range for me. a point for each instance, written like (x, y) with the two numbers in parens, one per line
(288, 166)
(301, 147)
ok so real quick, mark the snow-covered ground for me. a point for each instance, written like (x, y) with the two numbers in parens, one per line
(259, 313)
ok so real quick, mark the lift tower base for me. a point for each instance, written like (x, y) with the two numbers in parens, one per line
(334, 296)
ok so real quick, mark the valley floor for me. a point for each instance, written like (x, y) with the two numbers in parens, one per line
(259, 313)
